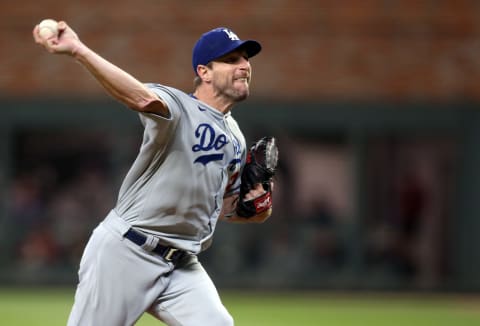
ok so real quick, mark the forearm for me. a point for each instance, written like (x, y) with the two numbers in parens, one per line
(118, 83)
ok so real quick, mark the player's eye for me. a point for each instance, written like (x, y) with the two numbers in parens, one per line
(234, 57)
(231, 59)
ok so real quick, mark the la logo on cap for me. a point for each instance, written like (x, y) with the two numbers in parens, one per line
(231, 35)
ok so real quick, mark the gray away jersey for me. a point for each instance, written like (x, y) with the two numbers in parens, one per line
(186, 165)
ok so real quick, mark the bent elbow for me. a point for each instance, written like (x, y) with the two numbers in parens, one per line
(154, 105)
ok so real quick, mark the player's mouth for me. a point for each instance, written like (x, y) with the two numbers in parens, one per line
(245, 79)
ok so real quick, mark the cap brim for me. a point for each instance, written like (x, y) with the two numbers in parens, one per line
(251, 47)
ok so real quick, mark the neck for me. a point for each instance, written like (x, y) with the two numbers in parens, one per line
(217, 102)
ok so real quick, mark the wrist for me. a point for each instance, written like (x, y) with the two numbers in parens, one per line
(79, 51)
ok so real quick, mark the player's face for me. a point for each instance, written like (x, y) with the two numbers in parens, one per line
(231, 75)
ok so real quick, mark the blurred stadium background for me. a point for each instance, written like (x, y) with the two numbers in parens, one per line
(374, 103)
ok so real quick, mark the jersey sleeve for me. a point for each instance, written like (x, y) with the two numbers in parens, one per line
(157, 126)
(167, 94)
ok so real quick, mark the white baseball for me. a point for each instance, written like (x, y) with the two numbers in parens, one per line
(48, 28)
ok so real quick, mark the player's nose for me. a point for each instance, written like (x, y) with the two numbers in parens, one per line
(244, 64)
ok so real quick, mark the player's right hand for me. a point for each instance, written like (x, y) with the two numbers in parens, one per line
(66, 42)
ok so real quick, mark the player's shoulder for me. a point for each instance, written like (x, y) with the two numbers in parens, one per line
(172, 91)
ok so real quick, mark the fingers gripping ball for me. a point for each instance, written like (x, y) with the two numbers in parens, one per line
(48, 28)
(262, 160)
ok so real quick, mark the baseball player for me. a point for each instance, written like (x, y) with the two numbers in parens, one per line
(193, 168)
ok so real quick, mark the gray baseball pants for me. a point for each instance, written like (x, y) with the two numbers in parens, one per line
(119, 281)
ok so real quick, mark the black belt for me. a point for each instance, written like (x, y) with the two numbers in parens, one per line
(170, 254)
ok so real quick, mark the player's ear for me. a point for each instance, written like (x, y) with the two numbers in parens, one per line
(204, 73)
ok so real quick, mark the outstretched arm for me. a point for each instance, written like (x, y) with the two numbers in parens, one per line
(118, 83)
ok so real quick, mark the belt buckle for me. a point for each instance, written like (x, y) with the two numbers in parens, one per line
(170, 253)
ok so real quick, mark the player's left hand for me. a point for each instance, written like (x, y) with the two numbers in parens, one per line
(257, 175)
(256, 192)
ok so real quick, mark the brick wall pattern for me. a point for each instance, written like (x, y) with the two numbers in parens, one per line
(369, 50)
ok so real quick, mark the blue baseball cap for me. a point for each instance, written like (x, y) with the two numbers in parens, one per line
(218, 42)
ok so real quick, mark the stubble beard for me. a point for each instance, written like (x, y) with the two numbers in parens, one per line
(235, 94)
(240, 95)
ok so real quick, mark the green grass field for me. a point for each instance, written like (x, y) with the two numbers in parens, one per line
(19, 307)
